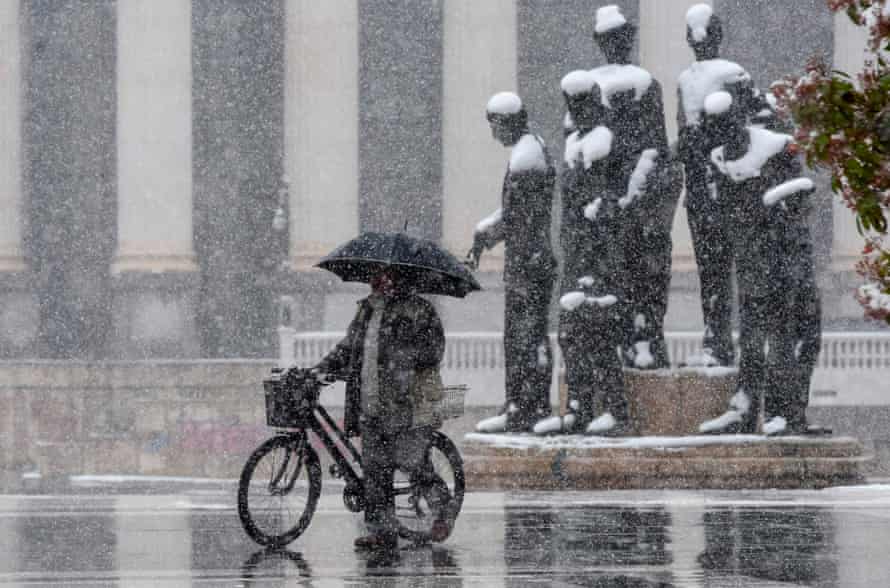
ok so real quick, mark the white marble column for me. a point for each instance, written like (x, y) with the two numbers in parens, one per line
(850, 53)
(664, 52)
(154, 265)
(154, 129)
(321, 126)
(480, 60)
(10, 139)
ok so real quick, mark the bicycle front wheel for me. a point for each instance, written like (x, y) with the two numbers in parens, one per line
(279, 489)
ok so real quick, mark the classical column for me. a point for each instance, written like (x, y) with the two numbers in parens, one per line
(400, 116)
(321, 126)
(11, 259)
(665, 53)
(18, 309)
(154, 264)
(321, 152)
(479, 56)
(850, 54)
(479, 59)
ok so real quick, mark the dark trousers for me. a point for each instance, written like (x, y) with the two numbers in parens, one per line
(713, 256)
(590, 340)
(384, 450)
(784, 314)
(648, 278)
(528, 356)
(798, 337)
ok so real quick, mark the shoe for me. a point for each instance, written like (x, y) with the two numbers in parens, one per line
(566, 424)
(777, 426)
(440, 531)
(509, 420)
(736, 420)
(377, 542)
(606, 425)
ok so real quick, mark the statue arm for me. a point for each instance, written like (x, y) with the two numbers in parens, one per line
(656, 126)
(489, 232)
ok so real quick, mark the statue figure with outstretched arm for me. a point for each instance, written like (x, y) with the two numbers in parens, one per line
(760, 186)
(591, 292)
(647, 183)
(522, 223)
(707, 221)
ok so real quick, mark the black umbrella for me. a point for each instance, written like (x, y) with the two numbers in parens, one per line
(421, 265)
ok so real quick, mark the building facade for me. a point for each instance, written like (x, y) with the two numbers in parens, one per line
(171, 170)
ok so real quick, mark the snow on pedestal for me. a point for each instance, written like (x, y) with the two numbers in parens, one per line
(666, 407)
(578, 462)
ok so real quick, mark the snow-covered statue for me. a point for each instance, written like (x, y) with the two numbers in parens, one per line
(707, 223)
(523, 224)
(647, 182)
(759, 184)
(593, 260)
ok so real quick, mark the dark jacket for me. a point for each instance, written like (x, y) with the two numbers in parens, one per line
(411, 338)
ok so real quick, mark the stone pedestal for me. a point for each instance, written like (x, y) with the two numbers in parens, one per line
(718, 462)
(672, 402)
(666, 408)
(676, 402)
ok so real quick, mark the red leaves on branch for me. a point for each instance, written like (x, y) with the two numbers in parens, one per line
(842, 124)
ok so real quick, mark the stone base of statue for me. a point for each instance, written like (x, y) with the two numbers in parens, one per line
(667, 452)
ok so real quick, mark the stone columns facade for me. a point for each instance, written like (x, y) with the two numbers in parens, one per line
(665, 53)
(154, 269)
(850, 46)
(321, 122)
(850, 54)
(18, 310)
(479, 59)
(321, 103)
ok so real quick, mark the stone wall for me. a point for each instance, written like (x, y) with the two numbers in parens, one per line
(196, 419)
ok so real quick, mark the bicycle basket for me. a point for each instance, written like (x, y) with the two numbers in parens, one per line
(289, 401)
(452, 404)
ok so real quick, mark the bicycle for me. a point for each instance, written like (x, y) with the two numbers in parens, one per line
(280, 483)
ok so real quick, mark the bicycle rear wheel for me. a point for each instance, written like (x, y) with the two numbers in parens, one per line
(429, 500)
(279, 489)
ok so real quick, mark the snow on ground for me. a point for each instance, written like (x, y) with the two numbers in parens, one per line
(529, 441)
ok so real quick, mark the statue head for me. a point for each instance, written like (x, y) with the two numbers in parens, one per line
(583, 99)
(704, 32)
(507, 117)
(614, 34)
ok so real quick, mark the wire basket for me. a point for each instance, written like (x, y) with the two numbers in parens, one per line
(452, 403)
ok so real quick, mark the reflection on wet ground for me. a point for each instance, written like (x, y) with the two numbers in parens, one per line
(835, 537)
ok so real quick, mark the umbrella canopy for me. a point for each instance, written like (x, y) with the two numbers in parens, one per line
(421, 265)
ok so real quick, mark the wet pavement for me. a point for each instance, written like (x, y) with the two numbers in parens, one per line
(136, 534)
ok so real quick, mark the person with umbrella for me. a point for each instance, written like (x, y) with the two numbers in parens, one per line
(389, 359)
